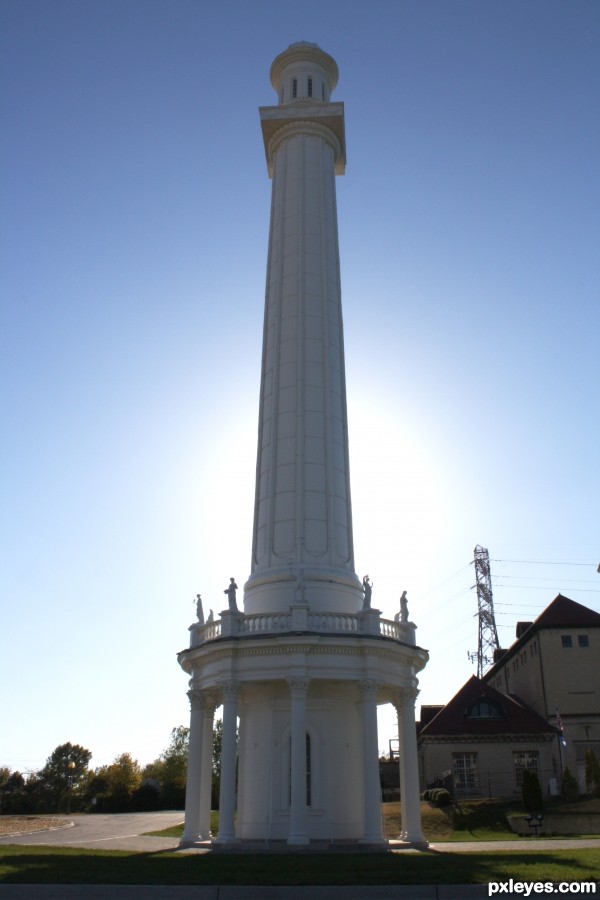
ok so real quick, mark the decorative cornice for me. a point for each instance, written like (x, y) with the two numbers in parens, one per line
(304, 120)
(508, 738)
(304, 128)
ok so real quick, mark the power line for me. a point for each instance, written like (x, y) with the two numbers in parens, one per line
(533, 578)
(541, 587)
(544, 562)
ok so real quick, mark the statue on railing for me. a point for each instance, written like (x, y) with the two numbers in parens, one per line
(402, 616)
(211, 617)
(367, 591)
(231, 595)
(199, 610)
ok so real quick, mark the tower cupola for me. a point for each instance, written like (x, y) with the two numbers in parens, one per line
(304, 73)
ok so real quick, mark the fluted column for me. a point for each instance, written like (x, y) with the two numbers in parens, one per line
(298, 831)
(226, 833)
(372, 790)
(409, 767)
(209, 704)
(192, 831)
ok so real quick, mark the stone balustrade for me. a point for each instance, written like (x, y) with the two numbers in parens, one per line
(302, 620)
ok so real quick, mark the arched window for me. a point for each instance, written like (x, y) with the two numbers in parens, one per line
(310, 87)
(485, 708)
(294, 88)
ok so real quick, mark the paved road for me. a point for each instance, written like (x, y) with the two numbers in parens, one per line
(116, 832)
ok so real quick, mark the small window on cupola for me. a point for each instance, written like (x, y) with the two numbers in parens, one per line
(310, 87)
(294, 88)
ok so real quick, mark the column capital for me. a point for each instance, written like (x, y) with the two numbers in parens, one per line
(202, 700)
(195, 698)
(298, 686)
(230, 691)
(404, 695)
(210, 701)
(368, 689)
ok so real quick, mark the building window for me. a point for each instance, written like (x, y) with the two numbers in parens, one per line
(524, 759)
(566, 640)
(485, 708)
(310, 87)
(294, 88)
(464, 772)
(583, 640)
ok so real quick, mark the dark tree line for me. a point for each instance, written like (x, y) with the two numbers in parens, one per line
(67, 783)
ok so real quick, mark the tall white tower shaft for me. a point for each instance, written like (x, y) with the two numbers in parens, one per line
(304, 666)
(302, 542)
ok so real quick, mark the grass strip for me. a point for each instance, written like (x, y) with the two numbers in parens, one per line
(50, 865)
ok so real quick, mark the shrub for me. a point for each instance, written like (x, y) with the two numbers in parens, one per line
(531, 792)
(569, 786)
(592, 772)
(442, 797)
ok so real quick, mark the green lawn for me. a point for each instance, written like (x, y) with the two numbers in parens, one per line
(49, 865)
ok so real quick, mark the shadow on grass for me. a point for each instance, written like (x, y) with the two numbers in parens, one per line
(47, 865)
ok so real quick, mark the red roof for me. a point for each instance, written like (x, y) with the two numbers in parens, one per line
(565, 613)
(456, 718)
(561, 613)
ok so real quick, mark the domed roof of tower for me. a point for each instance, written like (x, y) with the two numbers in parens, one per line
(303, 44)
(304, 53)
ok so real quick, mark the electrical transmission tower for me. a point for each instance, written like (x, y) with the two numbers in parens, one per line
(488, 635)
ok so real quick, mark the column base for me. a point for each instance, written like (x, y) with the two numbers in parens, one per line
(410, 841)
(298, 839)
(375, 841)
(198, 840)
(226, 839)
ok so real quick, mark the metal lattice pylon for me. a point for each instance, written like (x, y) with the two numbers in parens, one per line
(488, 636)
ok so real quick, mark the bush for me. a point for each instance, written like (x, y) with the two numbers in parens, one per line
(531, 792)
(592, 772)
(442, 797)
(569, 786)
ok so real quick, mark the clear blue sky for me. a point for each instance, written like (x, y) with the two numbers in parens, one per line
(134, 224)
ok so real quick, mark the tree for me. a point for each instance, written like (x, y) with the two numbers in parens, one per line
(58, 784)
(174, 767)
(12, 792)
(169, 771)
(117, 784)
(216, 763)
